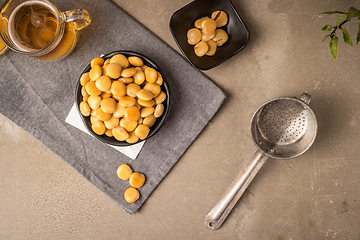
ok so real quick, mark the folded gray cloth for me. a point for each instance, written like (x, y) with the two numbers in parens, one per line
(37, 95)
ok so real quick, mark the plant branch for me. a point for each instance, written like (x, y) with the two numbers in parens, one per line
(342, 19)
(340, 25)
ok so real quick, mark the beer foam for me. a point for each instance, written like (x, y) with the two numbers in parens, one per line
(36, 19)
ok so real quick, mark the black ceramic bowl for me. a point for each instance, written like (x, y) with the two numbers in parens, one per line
(159, 122)
(184, 19)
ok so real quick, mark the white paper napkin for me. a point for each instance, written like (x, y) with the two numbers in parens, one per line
(74, 119)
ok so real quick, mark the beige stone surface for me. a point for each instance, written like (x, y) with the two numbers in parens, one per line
(315, 196)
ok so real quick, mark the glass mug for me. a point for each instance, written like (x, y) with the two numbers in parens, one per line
(38, 29)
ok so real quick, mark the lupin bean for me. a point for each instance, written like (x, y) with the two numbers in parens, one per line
(212, 47)
(108, 105)
(92, 89)
(208, 25)
(85, 108)
(97, 61)
(220, 37)
(159, 110)
(124, 172)
(220, 17)
(94, 101)
(111, 122)
(113, 70)
(137, 180)
(149, 120)
(120, 133)
(99, 128)
(131, 195)
(193, 36)
(132, 113)
(132, 138)
(128, 125)
(151, 75)
(103, 83)
(136, 61)
(120, 59)
(85, 78)
(142, 131)
(95, 72)
(201, 48)
(128, 72)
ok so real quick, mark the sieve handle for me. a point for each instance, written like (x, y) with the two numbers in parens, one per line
(306, 98)
(221, 210)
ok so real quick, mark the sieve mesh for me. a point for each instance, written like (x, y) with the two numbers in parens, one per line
(282, 122)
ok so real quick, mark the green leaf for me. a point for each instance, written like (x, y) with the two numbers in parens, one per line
(327, 28)
(352, 13)
(326, 36)
(358, 36)
(334, 46)
(340, 19)
(346, 37)
(333, 12)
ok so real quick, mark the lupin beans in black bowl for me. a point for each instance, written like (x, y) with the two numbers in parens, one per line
(122, 98)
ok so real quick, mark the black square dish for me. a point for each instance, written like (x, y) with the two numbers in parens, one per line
(184, 19)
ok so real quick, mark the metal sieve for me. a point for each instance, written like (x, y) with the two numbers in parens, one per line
(282, 128)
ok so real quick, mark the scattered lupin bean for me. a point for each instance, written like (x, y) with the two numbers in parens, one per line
(136, 180)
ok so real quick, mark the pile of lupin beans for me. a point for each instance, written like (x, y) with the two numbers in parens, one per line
(207, 34)
(136, 180)
(122, 96)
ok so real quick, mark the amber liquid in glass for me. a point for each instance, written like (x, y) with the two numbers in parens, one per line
(34, 26)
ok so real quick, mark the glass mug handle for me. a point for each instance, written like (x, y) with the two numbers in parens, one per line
(81, 18)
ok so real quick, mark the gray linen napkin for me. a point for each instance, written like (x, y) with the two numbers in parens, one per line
(38, 95)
